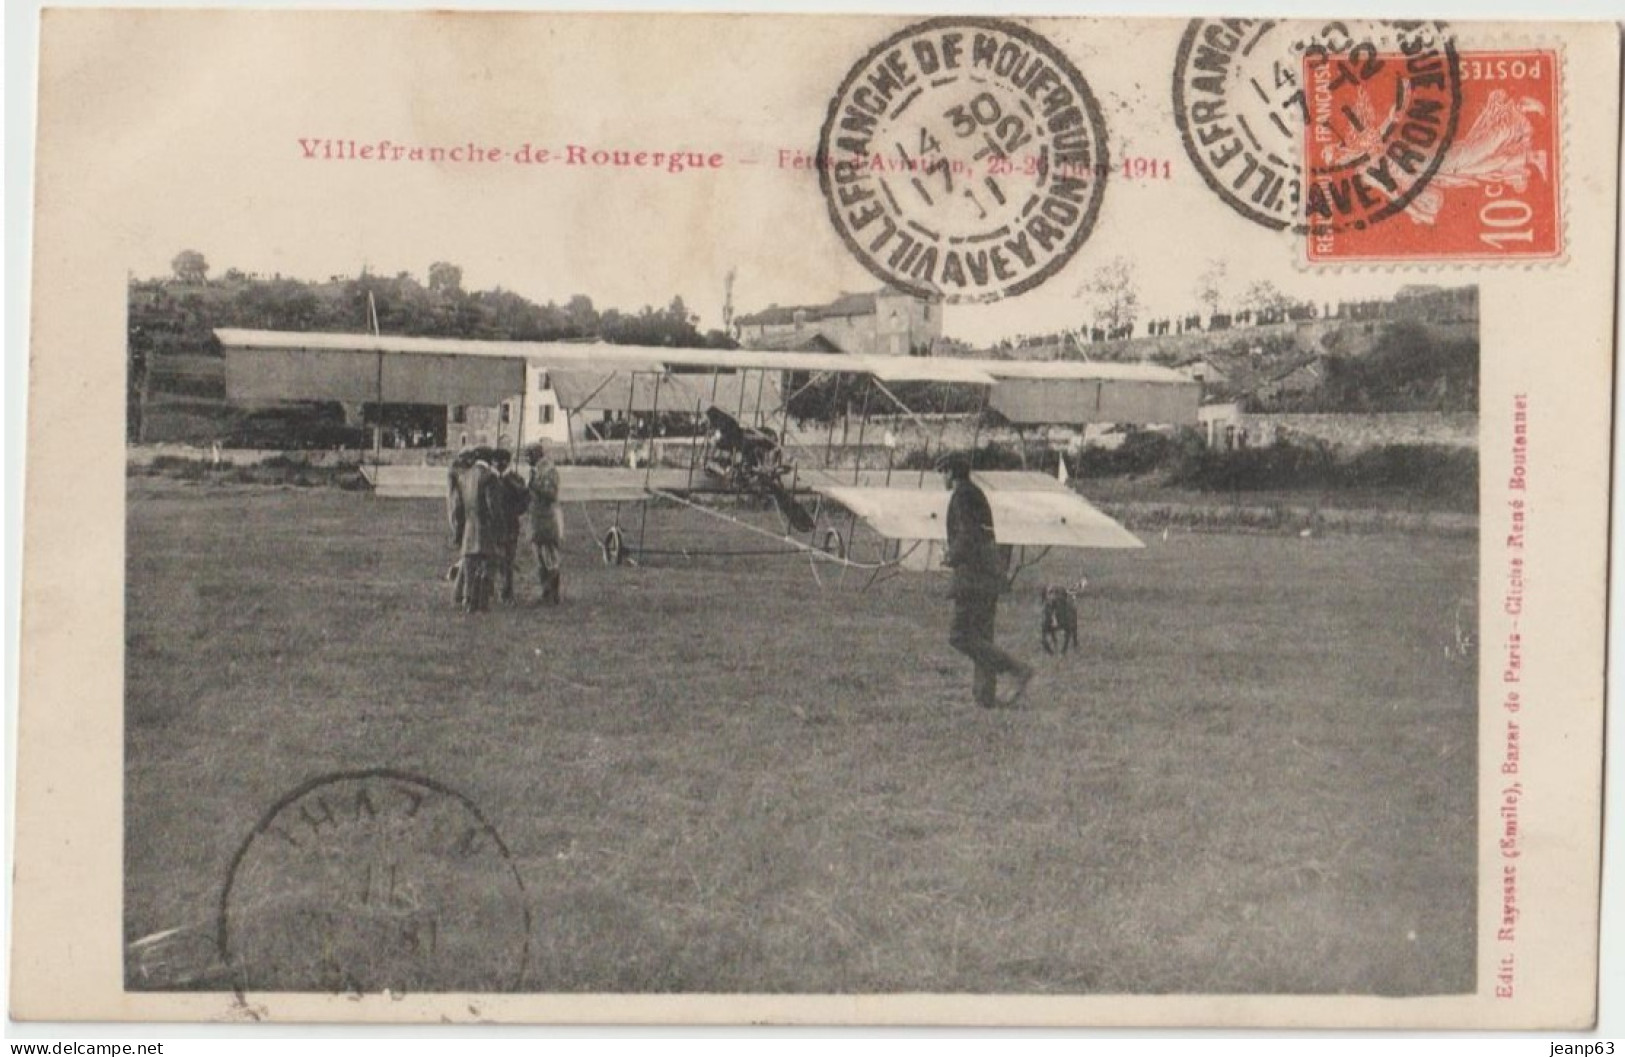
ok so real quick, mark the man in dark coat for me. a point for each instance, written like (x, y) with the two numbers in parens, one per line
(512, 500)
(473, 506)
(978, 579)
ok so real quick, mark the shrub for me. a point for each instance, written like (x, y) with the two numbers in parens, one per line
(1141, 452)
(1284, 465)
(1430, 469)
(994, 456)
(277, 470)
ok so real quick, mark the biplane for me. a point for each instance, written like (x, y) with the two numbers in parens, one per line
(742, 439)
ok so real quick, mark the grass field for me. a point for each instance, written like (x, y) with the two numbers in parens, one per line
(1257, 776)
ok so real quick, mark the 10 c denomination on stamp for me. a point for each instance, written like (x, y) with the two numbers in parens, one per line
(963, 160)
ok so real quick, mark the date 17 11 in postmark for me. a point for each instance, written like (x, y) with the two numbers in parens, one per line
(963, 160)
(1496, 193)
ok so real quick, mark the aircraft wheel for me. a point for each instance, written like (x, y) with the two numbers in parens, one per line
(614, 546)
(833, 543)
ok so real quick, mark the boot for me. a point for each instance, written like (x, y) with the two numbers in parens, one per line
(984, 687)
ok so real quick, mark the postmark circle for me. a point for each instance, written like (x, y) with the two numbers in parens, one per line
(1316, 127)
(369, 881)
(963, 160)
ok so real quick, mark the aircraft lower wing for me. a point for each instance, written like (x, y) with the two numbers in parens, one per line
(1029, 509)
(592, 484)
(619, 484)
(1026, 513)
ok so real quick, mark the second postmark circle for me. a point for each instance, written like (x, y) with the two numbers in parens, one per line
(1316, 127)
(963, 159)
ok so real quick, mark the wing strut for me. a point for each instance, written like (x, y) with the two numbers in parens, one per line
(813, 552)
(863, 424)
(904, 408)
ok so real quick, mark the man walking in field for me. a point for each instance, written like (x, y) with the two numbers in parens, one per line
(546, 521)
(978, 579)
(473, 505)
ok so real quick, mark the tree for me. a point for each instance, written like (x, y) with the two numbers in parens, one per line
(1410, 368)
(673, 325)
(277, 304)
(445, 278)
(582, 316)
(190, 267)
(1212, 286)
(1265, 297)
(1113, 294)
(678, 313)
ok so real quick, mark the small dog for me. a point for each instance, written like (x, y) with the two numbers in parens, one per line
(1060, 624)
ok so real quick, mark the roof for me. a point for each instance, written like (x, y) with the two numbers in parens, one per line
(845, 305)
(1247, 374)
(794, 341)
(1286, 370)
(1079, 370)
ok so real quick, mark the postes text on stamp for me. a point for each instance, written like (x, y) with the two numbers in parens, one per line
(1243, 99)
(372, 881)
(963, 160)
(1495, 194)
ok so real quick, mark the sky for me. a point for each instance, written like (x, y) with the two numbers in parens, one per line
(240, 165)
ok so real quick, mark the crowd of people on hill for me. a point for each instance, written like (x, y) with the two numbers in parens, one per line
(486, 499)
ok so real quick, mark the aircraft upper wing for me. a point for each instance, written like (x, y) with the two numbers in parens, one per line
(564, 355)
(599, 355)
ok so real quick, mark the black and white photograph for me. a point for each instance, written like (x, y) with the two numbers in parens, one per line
(963, 507)
(738, 632)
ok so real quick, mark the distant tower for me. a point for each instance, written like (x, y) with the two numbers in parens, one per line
(728, 302)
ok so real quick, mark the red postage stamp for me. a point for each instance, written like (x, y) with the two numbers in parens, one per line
(1492, 193)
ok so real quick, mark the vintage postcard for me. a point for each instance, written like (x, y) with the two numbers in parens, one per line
(751, 518)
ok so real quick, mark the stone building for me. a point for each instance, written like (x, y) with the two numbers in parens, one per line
(886, 322)
(518, 420)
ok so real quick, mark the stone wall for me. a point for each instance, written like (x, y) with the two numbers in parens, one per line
(1341, 336)
(1356, 432)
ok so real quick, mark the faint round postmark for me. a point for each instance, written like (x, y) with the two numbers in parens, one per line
(373, 881)
(963, 159)
(1316, 126)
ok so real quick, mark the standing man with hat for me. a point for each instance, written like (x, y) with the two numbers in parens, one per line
(474, 506)
(978, 579)
(546, 521)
